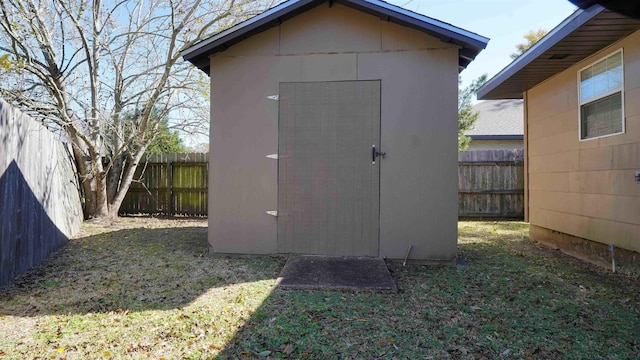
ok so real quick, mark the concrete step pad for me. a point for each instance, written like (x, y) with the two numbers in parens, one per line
(336, 273)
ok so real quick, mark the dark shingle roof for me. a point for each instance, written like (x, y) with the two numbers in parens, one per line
(498, 119)
(580, 35)
(470, 43)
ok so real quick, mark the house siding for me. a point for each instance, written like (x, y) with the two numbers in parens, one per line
(585, 188)
(418, 74)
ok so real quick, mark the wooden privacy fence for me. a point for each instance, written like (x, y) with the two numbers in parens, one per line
(491, 183)
(39, 200)
(169, 184)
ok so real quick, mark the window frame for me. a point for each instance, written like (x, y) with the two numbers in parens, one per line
(601, 96)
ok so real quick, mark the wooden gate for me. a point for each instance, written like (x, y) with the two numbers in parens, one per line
(169, 184)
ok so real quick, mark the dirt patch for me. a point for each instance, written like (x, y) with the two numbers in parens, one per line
(103, 226)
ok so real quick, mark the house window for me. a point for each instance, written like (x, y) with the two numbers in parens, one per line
(601, 98)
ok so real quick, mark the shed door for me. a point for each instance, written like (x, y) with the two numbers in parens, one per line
(328, 186)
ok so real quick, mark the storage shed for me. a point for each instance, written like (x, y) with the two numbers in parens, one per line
(334, 131)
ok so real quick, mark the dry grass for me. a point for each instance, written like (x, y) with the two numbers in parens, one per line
(144, 288)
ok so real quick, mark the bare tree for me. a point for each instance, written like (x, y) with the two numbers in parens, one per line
(84, 66)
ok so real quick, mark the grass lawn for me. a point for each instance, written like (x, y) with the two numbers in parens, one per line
(144, 288)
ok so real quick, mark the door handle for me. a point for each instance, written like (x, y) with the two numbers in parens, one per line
(375, 153)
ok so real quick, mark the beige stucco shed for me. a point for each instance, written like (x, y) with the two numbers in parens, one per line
(334, 131)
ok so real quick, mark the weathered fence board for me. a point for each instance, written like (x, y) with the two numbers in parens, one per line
(491, 183)
(169, 184)
(40, 204)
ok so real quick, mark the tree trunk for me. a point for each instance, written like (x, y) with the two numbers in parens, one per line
(93, 177)
(102, 206)
(86, 182)
(114, 175)
(95, 192)
(125, 182)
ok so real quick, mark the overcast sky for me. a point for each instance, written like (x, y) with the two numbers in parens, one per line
(504, 22)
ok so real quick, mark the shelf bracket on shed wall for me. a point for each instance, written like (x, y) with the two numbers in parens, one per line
(277, 156)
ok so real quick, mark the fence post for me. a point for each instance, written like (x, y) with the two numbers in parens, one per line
(175, 178)
(170, 186)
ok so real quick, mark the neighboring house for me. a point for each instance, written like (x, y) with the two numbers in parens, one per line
(306, 99)
(581, 90)
(499, 125)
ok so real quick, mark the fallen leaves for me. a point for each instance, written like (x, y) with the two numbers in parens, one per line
(509, 301)
(264, 353)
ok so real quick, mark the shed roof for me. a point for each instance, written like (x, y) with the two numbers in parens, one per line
(498, 119)
(580, 35)
(470, 43)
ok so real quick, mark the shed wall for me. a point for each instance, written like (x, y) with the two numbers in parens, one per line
(585, 188)
(418, 74)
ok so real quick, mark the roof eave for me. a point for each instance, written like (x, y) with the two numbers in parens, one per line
(470, 44)
(445, 32)
(246, 26)
(497, 137)
(570, 24)
(198, 54)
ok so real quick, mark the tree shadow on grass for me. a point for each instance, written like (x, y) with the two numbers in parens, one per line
(128, 270)
(512, 299)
